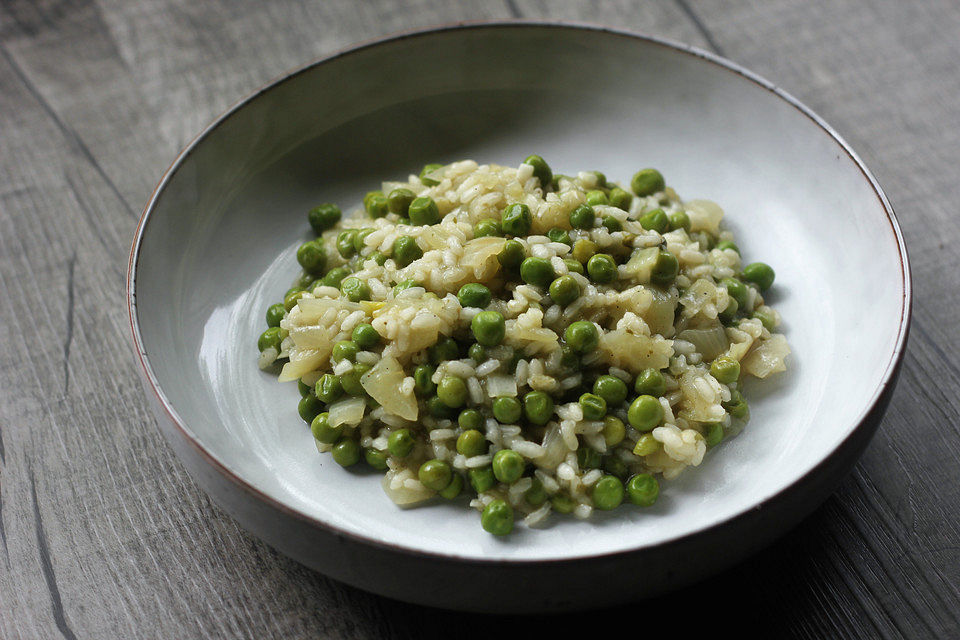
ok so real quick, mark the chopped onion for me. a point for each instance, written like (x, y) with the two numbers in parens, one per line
(710, 342)
(348, 411)
(384, 383)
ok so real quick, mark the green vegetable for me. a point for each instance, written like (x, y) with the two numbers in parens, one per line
(643, 489)
(620, 198)
(346, 453)
(559, 235)
(562, 503)
(309, 408)
(583, 249)
(488, 227)
(345, 243)
(507, 410)
(290, 300)
(725, 369)
(602, 268)
(511, 255)
(400, 443)
(538, 407)
(564, 290)
(423, 384)
(573, 265)
(403, 285)
(350, 381)
(471, 443)
(729, 313)
(646, 444)
(535, 495)
(607, 493)
(582, 336)
(452, 391)
(359, 239)
(666, 268)
(645, 413)
(270, 338)
(439, 409)
(406, 250)
(482, 479)
(594, 407)
(612, 389)
(737, 407)
(516, 220)
(424, 211)
(680, 220)
(713, 433)
(582, 217)
(596, 198)
(650, 382)
(612, 224)
(376, 459)
(647, 182)
(323, 217)
(726, 244)
(355, 289)
(312, 257)
(477, 352)
(537, 271)
(376, 204)
(737, 290)
(323, 431)
(768, 320)
(474, 294)
(470, 419)
(328, 388)
(365, 336)
(760, 274)
(497, 518)
(275, 314)
(588, 458)
(304, 389)
(443, 349)
(435, 474)
(508, 466)
(345, 350)
(488, 328)
(614, 431)
(399, 200)
(655, 220)
(541, 170)
(453, 489)
(335, 276)
(429, 168)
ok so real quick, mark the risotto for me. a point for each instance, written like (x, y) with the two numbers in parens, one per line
(537, 342)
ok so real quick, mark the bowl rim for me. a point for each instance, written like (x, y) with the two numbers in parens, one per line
(863, 420)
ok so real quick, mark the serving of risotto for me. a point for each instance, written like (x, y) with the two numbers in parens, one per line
(536, 343)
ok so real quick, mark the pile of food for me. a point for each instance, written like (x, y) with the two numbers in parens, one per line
(542, 342)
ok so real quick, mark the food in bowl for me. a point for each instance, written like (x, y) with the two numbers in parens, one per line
(546, 343)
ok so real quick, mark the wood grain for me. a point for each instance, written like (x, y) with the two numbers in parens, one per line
(101, 532)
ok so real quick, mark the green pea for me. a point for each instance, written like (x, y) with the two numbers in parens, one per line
(516, 219)
(403, 285)
(305, 279)
(507, 410)
(322, 429)
(564, 290)
(345, 243)
(423, 384)
(508, 466)
(594, 407)
(726, 244)
(435, 474)
(511, 255)
(312, 257)
(270, 338)
(573, 265)
(399, 200)
(760, 274)
(304, 389)
(427, 169)
(601, 179)
(359, 239)
(377, 257)
(376, 459)
(725, 369)
(615, 467)
(582, 336)
(650, 382)
(537, 271)
(424, 211)
(345, 350)
(737, 290)
(488, 227)
(620, 198)
(482, 479)
(737, 407)
(471, 443)
(541, 170)
(365, 336)
(452, 391)
(588, 458)
(376, 205)
(346, 453)
(557, 234)
(729, 313)
(713, 433)
(607, 493)
(323, 217)
(497, 518)
(655, 220)
(275, 314)
(647, 182)
(645, 413)
(602, 268)
(290, 300)
(597, 198)
(614, 431)
(562, 503)
(406, 250)
(582, 217)
(538, 407)
(309, 408)
(612, 389)
(768, 320)
(335, 276)
(453, 489)
(474, 294)
(477, 352)
(488, 328)
(439, 409)
(646, 444)
(400, 443)
(355, 289)
(665, 269)
(535, 495)
(328, 388)
(612, 224)
(443, 349)
(643, 489)
(583, 249)
(679, 220)
(350, 381)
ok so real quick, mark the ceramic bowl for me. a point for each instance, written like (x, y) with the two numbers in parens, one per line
(216, 246)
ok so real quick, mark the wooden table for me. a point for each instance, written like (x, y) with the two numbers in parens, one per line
(101, 532)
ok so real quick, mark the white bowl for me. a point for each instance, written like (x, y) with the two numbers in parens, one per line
(216, 245)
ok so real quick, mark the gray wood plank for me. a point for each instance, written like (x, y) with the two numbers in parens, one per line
(101, 532)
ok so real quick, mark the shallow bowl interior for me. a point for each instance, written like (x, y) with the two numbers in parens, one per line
(217, 247)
